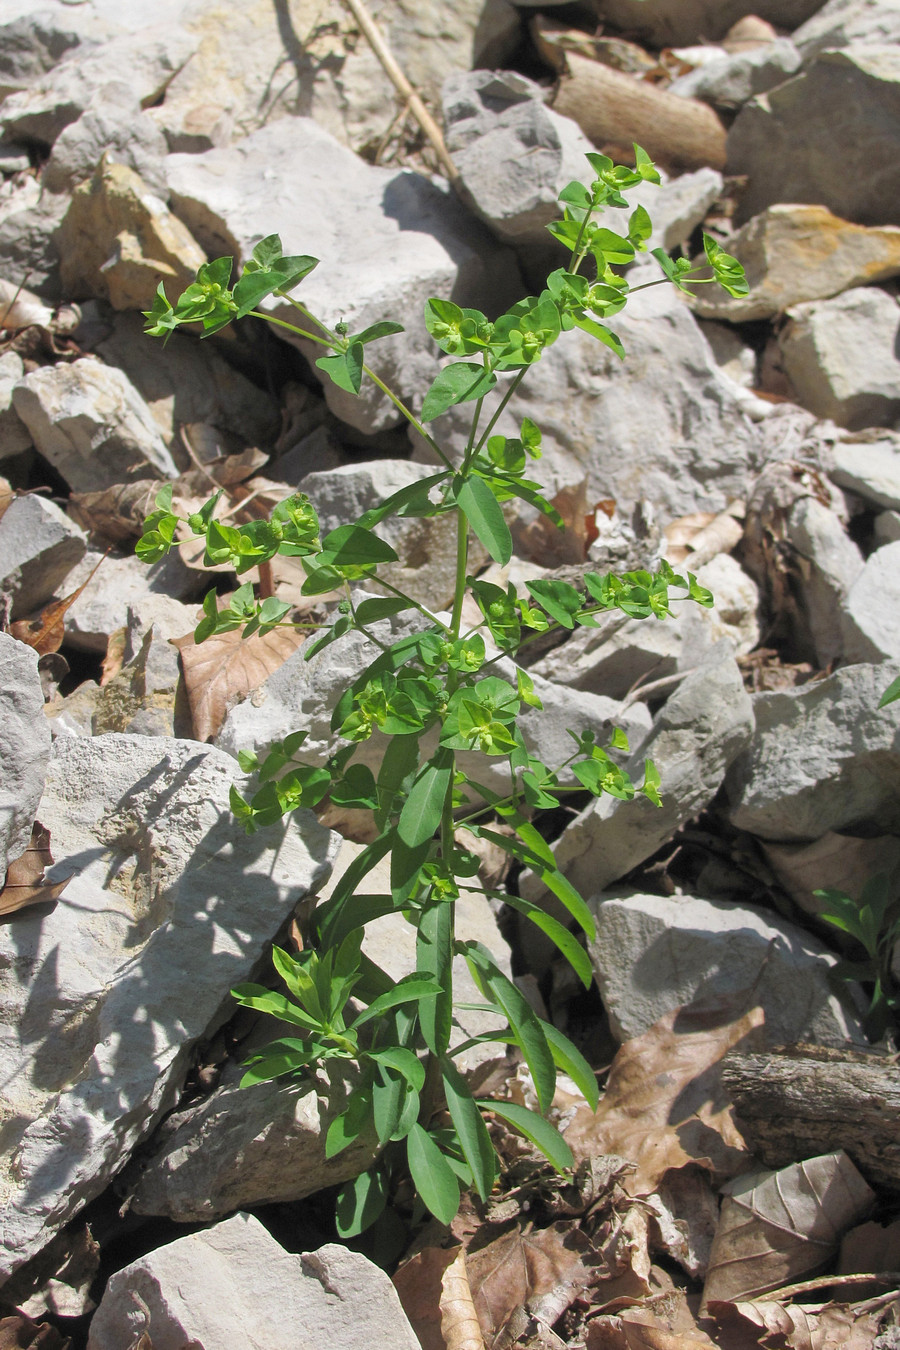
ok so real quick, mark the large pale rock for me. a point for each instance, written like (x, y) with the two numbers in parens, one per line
(29, 219)
(185, 380)
(795, 253)
(655, 953)
(730, 81)
(842, 357)
(235, 1285)
(119, 583)
(114, 126)
(168, 905)
(146, 60)
(704, 725)
(14, 437)
(32, 44)
(869, 468)
(822, 757)
(827, 566)
(39, 546)
(795, 142)
(92, 425)
(119, 240)
(663, 426)
(678, 23)
(387, 241)
(247, 1147)
(514, 154)
(842, 22)
(24, 746)
(871, 613)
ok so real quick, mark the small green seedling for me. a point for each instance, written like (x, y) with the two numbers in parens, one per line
(874, 922)
(433, 693)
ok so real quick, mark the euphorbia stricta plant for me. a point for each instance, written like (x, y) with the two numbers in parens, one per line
(433, 692)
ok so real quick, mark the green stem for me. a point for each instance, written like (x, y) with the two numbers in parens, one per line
(462, 567)
(410, 417)
(513, 386)
(292, 328)
(432, 618)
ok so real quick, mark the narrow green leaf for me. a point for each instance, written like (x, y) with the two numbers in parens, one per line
(408, 990)
(359, 1203)
(354, 546)
(572, 1062)
(559, 935)
(522, 1019)
(485, 515)
(891, 694)
(471, 1130)
(433, 1177)
(346, 1128)
(539, 1131)
(457, 383)
(404, 1061)
(423, 808)
(381, 607)
(434, 954)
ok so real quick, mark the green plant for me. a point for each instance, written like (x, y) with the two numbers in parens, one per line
(434, 693)
(873, 921)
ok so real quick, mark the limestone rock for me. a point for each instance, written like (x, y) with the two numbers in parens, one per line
(168, 906)
(514, 154)
(92, 425)
(732, 80)
(29, 219)
(234, 1284)
(24, 746)
(822, 757)
(841, 357)
(663, 426)
(838, 23)
(828, 566)
(795, 253)
(118, 241)
(14, 437)
(702, 728)
(119, 583)
(386, 240)
(654, 953)
(39, 546)
(32, 44)
(796, 142)
(870, 468)
(886, 528)
(114, 126)
(678, 23)
(184, 380)
(871, 617)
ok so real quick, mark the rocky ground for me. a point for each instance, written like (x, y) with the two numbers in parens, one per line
(146, 1201)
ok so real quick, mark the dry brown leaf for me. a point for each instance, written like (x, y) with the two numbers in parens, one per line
(20, 1333)
(664, 1105)
(46, 631)
(226, 668)
(832, 1326)
(544, 1269)
(6, 494)
(625, 1250)
(418, 1285)
(117, 513)
(25, 883)
(21, 309)
(115, 655)
(647, 1330)
(870, 1247)
(460, 1328)
(775, 1227)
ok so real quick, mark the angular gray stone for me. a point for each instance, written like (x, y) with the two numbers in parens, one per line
(24, 746)
(822, 757)
(92, 425)
(39, 546)
(168, 905)
(870, 468)
(386, 240)
(119, 583)
(654, 953)
(702, 728)
(235, 1285)
(29, 219)
(114, 125)
(185, 380)
(842, 357)
(828, 566)
(841, 22)
(731, 81)
(796, 141)
(514, 154)
(663, 426)
(871, 611)
(886, 528)
(678, 23)
(32, 44)
(14, 437)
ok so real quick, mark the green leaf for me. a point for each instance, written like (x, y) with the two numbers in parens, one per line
(263, 1000)
(525, 1024)
(380, 607)
(354, 546)
(414, 495)
(539, 1131)
(346, 1128)
(432, 1175)
(359, 1203)
(471, 1130)
(434, 955)
(409, 990)
(404, 1061)
(385, 328)
(344, 368)
(559, 935)
(728, 272)
(423, 808)
(891, 694)
(558, 598)
(388, 1099)
(485, 515)
(457, 383)
(572, 1062)
(601, 333)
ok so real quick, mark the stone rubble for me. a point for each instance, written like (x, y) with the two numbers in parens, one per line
(24, 747)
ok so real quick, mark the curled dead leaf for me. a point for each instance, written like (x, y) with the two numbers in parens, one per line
(46, 631)
(832, 1326)
(117, 513)
(25, 885)
(225, 668)
(6, 494)
(22, 309)
(418, 1285)
(459, 1321)
(777, 1226)
(20, 1333)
